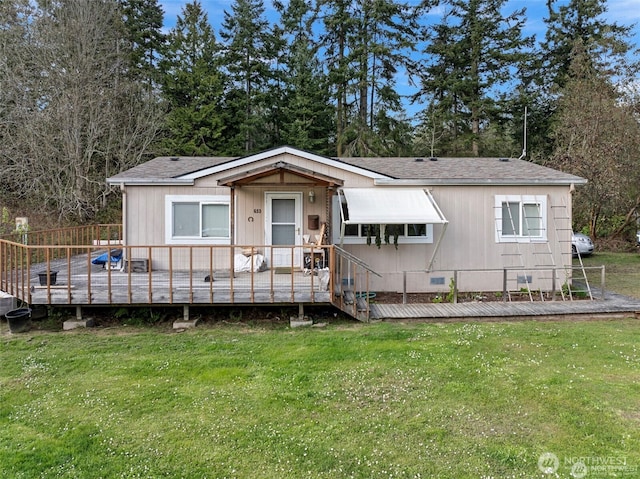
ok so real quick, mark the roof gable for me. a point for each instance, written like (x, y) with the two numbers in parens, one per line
(278, 168)
(276, 152)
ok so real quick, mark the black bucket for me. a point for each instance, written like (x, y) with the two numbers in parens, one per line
(19, 320)
(53, 276)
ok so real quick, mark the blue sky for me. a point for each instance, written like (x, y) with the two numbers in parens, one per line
(623, 12)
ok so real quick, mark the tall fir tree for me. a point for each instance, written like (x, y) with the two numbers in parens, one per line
(250, 49)
(307, 113)
(192, 86)
(604, 47)
(474, 53)
(143, 20)
(367, 43)
(605, 44)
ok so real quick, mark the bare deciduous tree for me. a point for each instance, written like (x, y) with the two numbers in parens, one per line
(598, 137)
(69, 115)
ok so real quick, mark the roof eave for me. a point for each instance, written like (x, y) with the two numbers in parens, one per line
(477, 182)
(149, 181)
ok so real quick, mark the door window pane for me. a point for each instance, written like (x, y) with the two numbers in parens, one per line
(283, 211)
(283, 234)
(283, 221)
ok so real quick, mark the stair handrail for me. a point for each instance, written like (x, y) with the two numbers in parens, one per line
(356, 260)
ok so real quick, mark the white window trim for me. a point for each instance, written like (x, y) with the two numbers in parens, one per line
(169, 200)
(522, 200)
(402, 239)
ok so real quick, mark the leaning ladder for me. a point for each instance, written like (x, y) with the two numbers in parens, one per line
(562, 225)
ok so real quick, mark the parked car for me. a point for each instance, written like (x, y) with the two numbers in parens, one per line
(581, 245)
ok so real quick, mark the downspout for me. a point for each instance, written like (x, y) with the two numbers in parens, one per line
(232, 226)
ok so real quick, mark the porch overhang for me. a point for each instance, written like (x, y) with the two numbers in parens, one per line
(391, 206)
(309, 177)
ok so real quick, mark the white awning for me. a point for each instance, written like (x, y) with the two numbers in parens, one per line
(389, 206)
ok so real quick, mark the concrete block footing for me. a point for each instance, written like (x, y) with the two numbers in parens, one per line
(77, 323)
(185, 323)
(299, 322)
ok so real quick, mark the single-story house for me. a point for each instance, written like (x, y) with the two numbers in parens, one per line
(474, 219)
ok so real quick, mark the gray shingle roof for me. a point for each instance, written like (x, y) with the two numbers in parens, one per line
(166, 167)
(463, 169)
(440, 170)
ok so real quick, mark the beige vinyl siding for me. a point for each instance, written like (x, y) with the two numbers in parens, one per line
(469, 243)
(145, 226)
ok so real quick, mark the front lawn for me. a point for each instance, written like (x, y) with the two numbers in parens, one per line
(459, 400)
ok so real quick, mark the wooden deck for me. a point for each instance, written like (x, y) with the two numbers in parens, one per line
(100, 286)
(116, 287)
(613, 306)
(179, 275)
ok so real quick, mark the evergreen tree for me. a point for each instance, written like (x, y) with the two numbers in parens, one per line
(474, 52)
(192, 86)
(367, 44)
(605, 43)
(604, 48)
(307, 113)
(143, 22)
(250, 50)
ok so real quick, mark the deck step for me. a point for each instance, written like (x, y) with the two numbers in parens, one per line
(362, 306)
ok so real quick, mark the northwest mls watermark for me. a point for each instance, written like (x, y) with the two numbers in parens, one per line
(587, 466)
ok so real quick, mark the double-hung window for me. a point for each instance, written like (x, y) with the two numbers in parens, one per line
(521, 218)
(199, 219)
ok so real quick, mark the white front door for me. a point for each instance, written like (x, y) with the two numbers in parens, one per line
(284, 227)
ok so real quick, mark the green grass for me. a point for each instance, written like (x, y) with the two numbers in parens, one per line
(366, 401)
(622, 271)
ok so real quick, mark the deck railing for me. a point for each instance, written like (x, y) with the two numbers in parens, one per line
(353, 287)
(535, 283)
(64, 272)
(75, 235)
